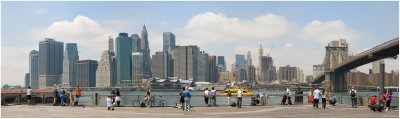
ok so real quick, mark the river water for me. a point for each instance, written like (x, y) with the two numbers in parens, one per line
(197, 99)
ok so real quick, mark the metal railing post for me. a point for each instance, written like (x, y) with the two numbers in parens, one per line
(43, 99)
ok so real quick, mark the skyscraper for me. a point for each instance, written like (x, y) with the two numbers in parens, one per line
(123, 56)
(240, 61)
(251, 74)
(34, 69)
(213, 71)
(248, 60)
(376, 66)
(110, 44)
(221, 60)
(27, 80)
(70, 56)
(202, 67)
(185, 62)
(50, 62)
(146, 53)
(157, 67)
(137, 68)
(168, 46)
(135, 43)
(85, 73)
(288, 73)
(105, 72)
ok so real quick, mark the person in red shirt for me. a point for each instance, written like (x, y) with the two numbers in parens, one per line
(372, 102)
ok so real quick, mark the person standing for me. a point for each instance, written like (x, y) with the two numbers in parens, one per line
(289, 94)
(389, 96)
(310, 97)
(187, 96)
(206, 96)
(324, 98)
(316, 95)
(71, 98)
(229, 97)
(383, 99)
(352, 94)
(109, 102)
(29, 95)
(78, 94)
(239, 98)
(213, 97)
(118, 98)
(62, 96)
(55, 96)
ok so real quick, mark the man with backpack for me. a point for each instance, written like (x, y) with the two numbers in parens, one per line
(352, 94)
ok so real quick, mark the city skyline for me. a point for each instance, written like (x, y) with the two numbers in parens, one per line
(208, 28)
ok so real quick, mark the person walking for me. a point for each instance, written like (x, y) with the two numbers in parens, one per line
(383, 99)
(316, 95)
(239, 98)
(118, 98)
(324, 95)
(352, 94)
(78, 94)
(55, 96)
(187, 96)
(389, 96)
(29, 95)
(289, 94)
(213, 97)
(206, 92)
(71, 98)
(62, 96)
(229, 97)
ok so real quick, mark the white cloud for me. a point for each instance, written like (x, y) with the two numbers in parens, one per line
(40, 11)
(91, 37)
(211, 26)
(288, 45)
(327, 31)
(14, 64)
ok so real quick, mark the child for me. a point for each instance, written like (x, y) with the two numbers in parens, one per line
(110, 103)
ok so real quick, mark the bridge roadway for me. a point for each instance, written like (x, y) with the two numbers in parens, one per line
(278, 111)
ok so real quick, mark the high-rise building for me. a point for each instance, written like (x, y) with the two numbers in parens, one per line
(309, 79)
(27, 80)
(227, 77)
(50, 62)
(242, 75)
(300, 75)
(34, 69)
(106, 72)
(110, 44)
(168, 46)
(202, 67)
(123, 56)
(85, 73)
(376, 66)
(146, 53)
(136, 43)
(185, 62)
(251, 74)
(288, 73)
(70, 56)
(248, 60)
(137, 68)
(240, 61)
(157, 67)
(221, 60)
(213, 71)
(318, 69)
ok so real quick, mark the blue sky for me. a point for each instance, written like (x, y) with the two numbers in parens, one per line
(219, 28)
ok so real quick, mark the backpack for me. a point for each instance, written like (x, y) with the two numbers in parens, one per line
(142, 104)
(233, 104)
(352, 93)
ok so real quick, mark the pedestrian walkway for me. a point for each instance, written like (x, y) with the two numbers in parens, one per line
(298, 111)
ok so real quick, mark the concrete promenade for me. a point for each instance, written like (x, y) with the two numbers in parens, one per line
(293, 111)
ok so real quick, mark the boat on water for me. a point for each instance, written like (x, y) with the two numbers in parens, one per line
(234, 90)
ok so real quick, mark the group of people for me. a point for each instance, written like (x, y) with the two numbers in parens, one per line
(62, 95)
(385, 100)
(114, 99)
(184, 100)
(212, 94)
(315, 95)
(287, 96)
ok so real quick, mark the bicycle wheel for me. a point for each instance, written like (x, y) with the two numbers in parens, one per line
(163, 103)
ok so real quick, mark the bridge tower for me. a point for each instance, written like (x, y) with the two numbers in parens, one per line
(336, 52)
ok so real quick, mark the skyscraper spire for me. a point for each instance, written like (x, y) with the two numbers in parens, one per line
(261, 51)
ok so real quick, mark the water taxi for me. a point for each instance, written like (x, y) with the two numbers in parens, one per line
(234, 90)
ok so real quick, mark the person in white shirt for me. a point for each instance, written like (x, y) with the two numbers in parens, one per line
(352, 94)
(289, 94)
(206, 92)
(109, 103)
(239, 98)
(29, 95)
(316, 94)
(213, 96)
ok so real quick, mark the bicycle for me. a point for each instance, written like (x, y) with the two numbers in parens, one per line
(159, 102)
(137, 102)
